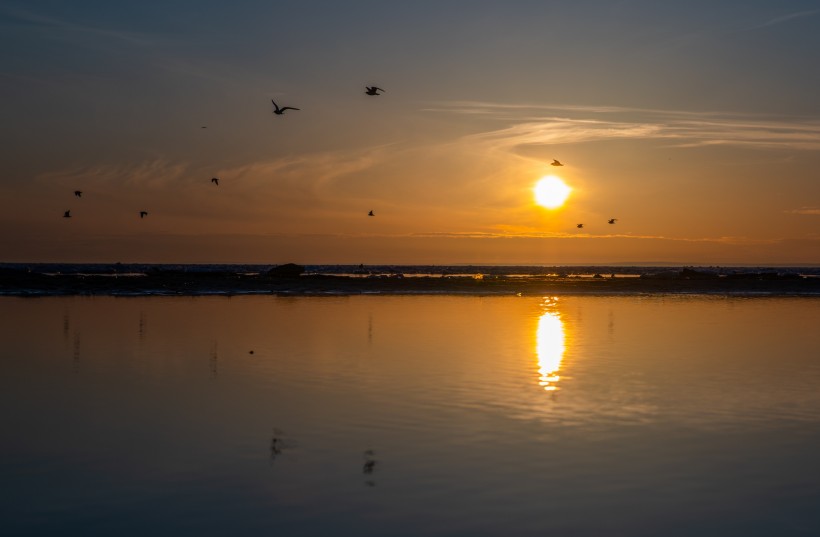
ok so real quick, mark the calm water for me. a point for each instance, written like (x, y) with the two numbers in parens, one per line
(410, 416)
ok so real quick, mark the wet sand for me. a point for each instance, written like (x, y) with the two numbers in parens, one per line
(22, 283)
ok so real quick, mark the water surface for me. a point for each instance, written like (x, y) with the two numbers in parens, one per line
(428, 415)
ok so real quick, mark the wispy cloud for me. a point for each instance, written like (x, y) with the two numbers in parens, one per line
(804, 210)
(587, 236)
(151, 174)
(67, 27)
(556, 124)
(258, 191)
(785, 18)
(161, 51)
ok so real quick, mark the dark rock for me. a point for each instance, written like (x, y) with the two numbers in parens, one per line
(288, 270)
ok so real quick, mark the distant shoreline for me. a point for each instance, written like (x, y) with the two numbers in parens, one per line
(21, 283)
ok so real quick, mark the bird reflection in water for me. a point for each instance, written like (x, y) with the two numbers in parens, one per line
(549, 345)
(66, 325)
(277, 444)
(142, 327)
(76, 352)
(213, 362)
(369, 466)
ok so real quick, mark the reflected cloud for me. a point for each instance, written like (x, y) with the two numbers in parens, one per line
(550, 346)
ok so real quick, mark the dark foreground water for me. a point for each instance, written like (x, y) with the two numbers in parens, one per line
(410, 415)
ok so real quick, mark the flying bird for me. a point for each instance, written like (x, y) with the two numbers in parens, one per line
(78, 193)
(611, 220)
(555, 163)
(370, 214)
(579, 226)
(279, 111)
(67, 214)
(143, 214)
(215, 180)
(373, 90)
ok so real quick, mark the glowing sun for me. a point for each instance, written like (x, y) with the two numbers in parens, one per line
(551, 192)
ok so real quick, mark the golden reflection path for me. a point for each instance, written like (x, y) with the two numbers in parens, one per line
(549, 346)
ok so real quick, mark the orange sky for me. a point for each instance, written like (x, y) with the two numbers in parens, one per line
(701, 139)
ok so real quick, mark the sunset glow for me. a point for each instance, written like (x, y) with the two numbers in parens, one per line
(376, 268)
(448, 146)
(550, 349)
(551, 192)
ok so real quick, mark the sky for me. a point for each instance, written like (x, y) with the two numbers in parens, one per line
(695, 124)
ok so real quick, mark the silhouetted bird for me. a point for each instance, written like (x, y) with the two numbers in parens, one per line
(579, 226)
(373, 90)
(203, 127)
(67, 214)
(279, 111)
(143, 214)
(215, 180)
(555, 163)
(611, 220)
(370, 214)
(78, 193)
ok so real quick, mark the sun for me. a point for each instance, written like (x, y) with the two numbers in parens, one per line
(551, 192)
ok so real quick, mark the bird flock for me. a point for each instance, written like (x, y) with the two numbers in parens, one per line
(369, 90)
(556, 162)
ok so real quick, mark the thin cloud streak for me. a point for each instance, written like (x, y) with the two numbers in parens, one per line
(149, 174)
(682, 129)
(558, 235)
(51, 24)
(485, 107)
(785, 18)
(804, 210)
(316, 182)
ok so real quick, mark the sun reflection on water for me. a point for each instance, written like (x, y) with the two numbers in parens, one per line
(549, 346)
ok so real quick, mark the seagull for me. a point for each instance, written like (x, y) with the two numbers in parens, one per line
(611, 220)
(215, 180)
(555, 163)
(143, 214)
(279, 111)
(370, 214)
(78, 193)
(67, 214)
(579, 226)
(373, 90)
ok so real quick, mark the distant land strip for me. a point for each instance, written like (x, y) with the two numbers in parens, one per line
(293, 281)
